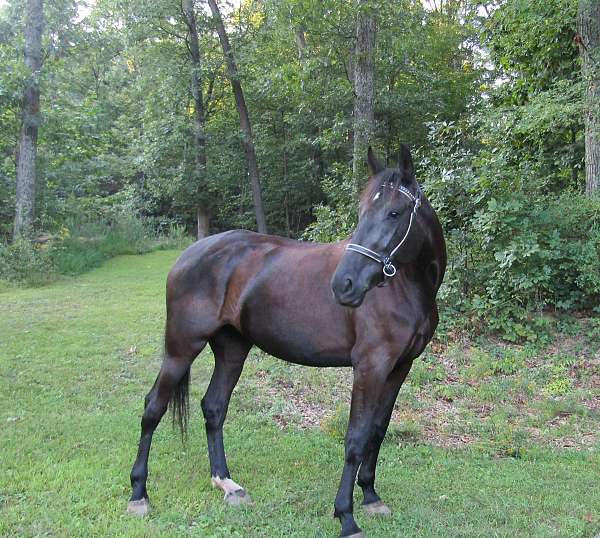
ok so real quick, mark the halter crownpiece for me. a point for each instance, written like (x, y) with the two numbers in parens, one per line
(389, 270)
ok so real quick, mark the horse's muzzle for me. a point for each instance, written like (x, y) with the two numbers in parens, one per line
(346, 292)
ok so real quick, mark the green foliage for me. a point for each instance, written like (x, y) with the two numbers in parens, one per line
(426, 372)
(118, 113)
(559, 384)
(87, 243)
(83, 245)
(173, 236)
(519, 243)
(532, 42)
(507, 440)
(338, 218)
(24, 262)
(484, 364)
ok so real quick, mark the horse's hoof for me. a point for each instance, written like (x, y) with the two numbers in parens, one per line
(237, 498)
(378, 508)
(138, 508)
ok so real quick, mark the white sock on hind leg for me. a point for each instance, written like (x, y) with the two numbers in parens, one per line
(226, 484)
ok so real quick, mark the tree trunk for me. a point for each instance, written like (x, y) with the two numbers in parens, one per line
(589, 45)
(245, 126)
(203, 222)
(363, 89)
(27, 150)
(203, 215)
(300, 42)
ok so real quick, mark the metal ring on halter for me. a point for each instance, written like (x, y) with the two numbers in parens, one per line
(389, 270)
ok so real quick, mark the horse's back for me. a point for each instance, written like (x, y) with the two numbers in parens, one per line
(229, 250)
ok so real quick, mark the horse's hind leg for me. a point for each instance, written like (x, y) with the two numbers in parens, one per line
(372, 503)
(230, 350)
(172, 381)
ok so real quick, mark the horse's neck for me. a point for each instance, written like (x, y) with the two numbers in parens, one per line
(432, 258)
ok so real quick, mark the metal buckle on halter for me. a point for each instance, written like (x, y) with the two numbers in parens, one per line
(388, 267)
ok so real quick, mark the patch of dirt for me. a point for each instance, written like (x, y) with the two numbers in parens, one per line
(443, 419)
(301, 410)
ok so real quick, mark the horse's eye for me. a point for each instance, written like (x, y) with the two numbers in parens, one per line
(393, 214)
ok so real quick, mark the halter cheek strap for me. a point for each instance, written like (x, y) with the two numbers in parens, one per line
(389, 270)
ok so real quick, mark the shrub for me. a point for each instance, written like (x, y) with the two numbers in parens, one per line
(74, 256)
(173, 236)
(517, 245)
(27, 263)
(337, 219)
(83, 244)
(91, 241)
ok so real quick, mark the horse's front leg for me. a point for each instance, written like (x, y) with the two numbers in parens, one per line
(369, 379)
(372, 503)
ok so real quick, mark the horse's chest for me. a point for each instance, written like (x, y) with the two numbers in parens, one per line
(401, 332)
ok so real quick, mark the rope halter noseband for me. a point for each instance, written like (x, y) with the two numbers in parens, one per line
(389, 270)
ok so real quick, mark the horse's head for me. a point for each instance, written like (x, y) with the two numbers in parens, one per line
(388, 231)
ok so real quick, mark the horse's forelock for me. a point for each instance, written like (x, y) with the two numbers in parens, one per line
(389, 177)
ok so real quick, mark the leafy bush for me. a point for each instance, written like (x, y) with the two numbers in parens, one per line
(84, 244)
(89, 242)
(516, 247)
(26, 263)
(173, 236)
(74, 256)
(337, 219)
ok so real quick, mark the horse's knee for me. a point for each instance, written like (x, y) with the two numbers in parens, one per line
(342, 506)
(366, 476)
(138, 474)
(353, 455)
(213, 413)
(355, 448)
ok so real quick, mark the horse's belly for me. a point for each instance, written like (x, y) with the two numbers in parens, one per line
(302, 337)
(305, 357)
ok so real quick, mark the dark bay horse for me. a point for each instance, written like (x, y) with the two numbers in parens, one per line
(238, 289)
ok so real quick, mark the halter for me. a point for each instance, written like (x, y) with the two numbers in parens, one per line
(389, 270)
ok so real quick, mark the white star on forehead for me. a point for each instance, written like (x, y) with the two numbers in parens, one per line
(376, 196)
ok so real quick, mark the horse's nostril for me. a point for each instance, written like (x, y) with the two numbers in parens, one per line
(348, 285)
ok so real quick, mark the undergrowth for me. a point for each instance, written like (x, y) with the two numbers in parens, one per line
(82, 244)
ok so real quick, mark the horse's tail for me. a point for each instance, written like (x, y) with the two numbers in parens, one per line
(180, 403)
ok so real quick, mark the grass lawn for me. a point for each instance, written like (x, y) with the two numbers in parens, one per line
(77, 358)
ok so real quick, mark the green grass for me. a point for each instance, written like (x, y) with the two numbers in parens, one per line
(78, 356)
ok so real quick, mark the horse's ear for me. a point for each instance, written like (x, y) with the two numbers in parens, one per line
(405, 163)
(373, 162)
